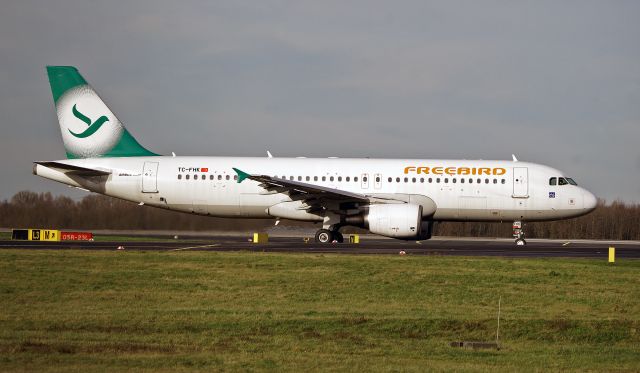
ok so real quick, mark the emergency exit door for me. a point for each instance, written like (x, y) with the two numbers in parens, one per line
(377, 178)
(150, 177)
(364, 181)
(520, 182)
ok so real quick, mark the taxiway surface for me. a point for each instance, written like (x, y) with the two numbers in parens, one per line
(436, 246)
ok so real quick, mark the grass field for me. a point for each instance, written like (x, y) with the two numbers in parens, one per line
(207, 311)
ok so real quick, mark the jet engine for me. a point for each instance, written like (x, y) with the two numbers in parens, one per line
(400, 220)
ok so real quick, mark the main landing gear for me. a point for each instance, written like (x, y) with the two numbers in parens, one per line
(329, 236)
(330, 229)
(518, 233)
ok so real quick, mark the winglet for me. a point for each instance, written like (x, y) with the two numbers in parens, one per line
(514, 157)
(241, 175)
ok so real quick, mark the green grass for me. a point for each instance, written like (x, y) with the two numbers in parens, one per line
(208, 311)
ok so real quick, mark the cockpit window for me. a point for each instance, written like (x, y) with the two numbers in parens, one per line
(553, 181)
(562, 181)
(570, 180)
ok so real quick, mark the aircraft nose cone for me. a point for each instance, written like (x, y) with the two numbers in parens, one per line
(590, 201)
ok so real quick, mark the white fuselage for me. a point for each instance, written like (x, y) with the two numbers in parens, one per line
(462, 190)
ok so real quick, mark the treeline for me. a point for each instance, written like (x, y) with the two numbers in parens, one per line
(614, 221)
(28, 209)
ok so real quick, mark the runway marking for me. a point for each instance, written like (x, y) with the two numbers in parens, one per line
(195, 247)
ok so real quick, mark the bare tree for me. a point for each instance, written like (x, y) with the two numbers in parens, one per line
(615, 221)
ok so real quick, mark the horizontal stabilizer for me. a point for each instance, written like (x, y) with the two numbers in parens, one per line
(76, 170)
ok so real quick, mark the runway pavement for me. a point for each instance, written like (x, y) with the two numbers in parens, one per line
(436, 246)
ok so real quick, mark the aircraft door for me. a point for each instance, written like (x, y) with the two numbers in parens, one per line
(520, 182)
(150, 177)
(377, 179)
(364, 181)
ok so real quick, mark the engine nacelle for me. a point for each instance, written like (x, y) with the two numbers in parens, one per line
(426, 230)
(394, 220)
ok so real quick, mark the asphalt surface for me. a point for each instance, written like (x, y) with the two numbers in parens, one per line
(436, 246)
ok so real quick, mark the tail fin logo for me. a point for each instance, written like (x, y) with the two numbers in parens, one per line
(93, 127)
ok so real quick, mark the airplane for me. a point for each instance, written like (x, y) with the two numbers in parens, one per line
(397, 198)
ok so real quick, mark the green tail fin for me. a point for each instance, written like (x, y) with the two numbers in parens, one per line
(89, 128)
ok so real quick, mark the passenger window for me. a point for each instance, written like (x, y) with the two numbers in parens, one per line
(553, 181)
(186, 177)
(331, 178)
(324, 178)
(495, 181)
(397, 179)
(210, 177)
(462, 181)
(422, 179)
(195, 177)
(562, 181)
(479, 181)
(504, 181)
(406, 179)
(470, 181)
(315, 178)
(413, 180)
(364, 179)
(299, 178)
(347, 178)
(179, 177)
(438, 180)
(339, 178)
(377, 179)
(430, 180)
(227, 177)
(307, 178)
(446, 180)
(389, 179)
(355, 179)
(454, 180)
(219, 177)
(486, 181)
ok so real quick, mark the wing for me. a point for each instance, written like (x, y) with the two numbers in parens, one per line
(302, 191)
(76, 170)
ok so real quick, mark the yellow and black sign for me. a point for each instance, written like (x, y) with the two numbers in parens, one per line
(36, 234)
(260, 238)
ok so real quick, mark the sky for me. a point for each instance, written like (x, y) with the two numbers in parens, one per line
(554, 82)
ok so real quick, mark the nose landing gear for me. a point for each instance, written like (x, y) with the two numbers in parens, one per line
(518, 233)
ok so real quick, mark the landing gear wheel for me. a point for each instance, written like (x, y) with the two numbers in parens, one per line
(338, 236)
(324, 236)
(521, 242)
